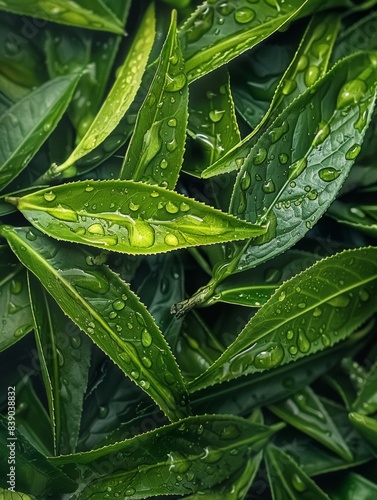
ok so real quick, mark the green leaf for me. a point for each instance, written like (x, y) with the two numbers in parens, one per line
(103, 306)
(242, 28)
(212, 123)
(16, 319)
(130, 217)
(351, 486)
(297, 167)
(367, 427)
(366, 401)
(155, 152)
(27, 124)
(180, 458)
(287, 480)
(64, 353)
(34, 474)
(309, 313)
(305, 411)
(91, 14)
(10, 495)
(355, 216)
(308, 65)
(118, 100)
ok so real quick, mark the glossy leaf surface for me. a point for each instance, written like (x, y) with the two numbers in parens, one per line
(367, 427)
(119, 98)
(292, 324)
(352, 486)
(91, 14)
(64, 352)
(366, 401)
(243, 25)
(130, 217)
(155, 152)
(27, 124)
(103, 306)
(16, 319)
(173, 456)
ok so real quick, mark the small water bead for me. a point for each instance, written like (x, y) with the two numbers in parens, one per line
(289, 86)
(245, 181)
(171, 240)
(325, 340)
(311, 75)
(96, 229)
(313, 195)
(119, 305)
(329, 174)
(298, 483)
(171, 145)
(283, 158)
(351, 93)
(244, 15)
(147, 362)
(216, 115)
(16, 286)
(268, 186)
(269, 358)
(277, 133)
(89, 189)
(260, 157)
(293, 350)
(134, 207)
(353, 152)
(364, 295)
(317, 312)
(225, 8)
(172, 122)
(297, 168)
(322, 133)
(163, 164)
(171, 208)
(49, 196)
(290, 334)
(303, 342)
(146, 338)
(176, 83)
(184, 207)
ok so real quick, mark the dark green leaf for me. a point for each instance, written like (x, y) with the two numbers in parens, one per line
(103, 306)
(352, 486)
(91, 14)
(309, 313)
(16, 319)
(155, 152)
(366, 401)
(27, 124)
(131, 217)
(367, 427)
(355, 216)
(64, 353)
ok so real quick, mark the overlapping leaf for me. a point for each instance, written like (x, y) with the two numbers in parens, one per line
(130, 217)
(102, 305)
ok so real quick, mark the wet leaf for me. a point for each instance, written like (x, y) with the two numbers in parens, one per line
(180, 458)
(91, 14)
(155, 152)
(366, 401)
(103, 306)
(351, 486)
(16, 319)
(117, 101)
(367, 427)
(64, 353)
(293, 323)
(26, 125)
(131, 217)
(356, 216)
(305, 411)
(47, 479)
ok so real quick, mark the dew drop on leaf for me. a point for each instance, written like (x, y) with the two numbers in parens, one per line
(171, 240)
(146, 338)
(353, 152)
(269, 358)
(311, 75)
(351, 93)
(244, 15)
(328, 174)
(260, 157)
(50, 196)
(323, 131)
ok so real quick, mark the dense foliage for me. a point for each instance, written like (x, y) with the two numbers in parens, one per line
(188, 269)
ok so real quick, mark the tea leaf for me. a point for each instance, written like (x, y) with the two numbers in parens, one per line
(355, 216)
(287, 479)
(104, 307)
(173, 456)
(241, 28)
(367, 427)
(65, 355)
(26, 125)
(118, 100)
(293, 323)
(352, 485)
(47, 479)
(16, 319)
(91, 14)
(130, 217)
(305, 411)
(366, 401)
(155, 152)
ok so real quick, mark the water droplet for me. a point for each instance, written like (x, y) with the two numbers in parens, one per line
(96, 229)
(171, 208)
(325, 340)
(323, 131)
(283, 158)
(268, 186)
(260, 157)
(134, 207)
(317, 312)
(329, 174)
(311, 75)
(216, 115)
(353, 152)
(302, 341)
(130, 491)
(163, 164)
(244, 15)
(364, 295)
(276, 133)
(313, 195)
(297, 168)
(184, 207)
(30, 236)
(118, 305)
(281, 297)
(269, 358)
(298, 483)
(141, 235)
(302, 63)
(301, 305)
(175, 83)
(293, 350)
(290, 334)
(89, 189)
(230, 432)
(171, 240)
(49, 196)
(146, 338)
(245, 181)
(351, 93)
(172, 122)
(147, 362)
(289, 86)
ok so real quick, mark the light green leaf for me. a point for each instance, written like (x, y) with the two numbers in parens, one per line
(243, 26)
(298, 166)
(34, 473)
(118, 100)
(64, 353)
(195, 453)
(309, 313)
(130, 217)
(91, 14)
(212, 123)
(287, 479)
(305, 411)
(26, 125)
(308, 65)
(16, 320)
(103, 306)
(155, 152)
